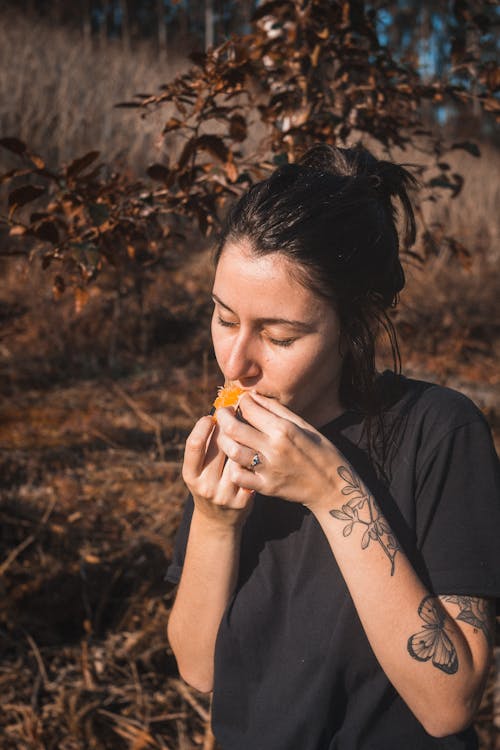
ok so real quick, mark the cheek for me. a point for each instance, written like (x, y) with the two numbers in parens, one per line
(221, 343)
(317, 368)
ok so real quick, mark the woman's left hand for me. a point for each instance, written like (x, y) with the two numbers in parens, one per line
(295, 462)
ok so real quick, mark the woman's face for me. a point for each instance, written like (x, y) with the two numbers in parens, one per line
(273, 334)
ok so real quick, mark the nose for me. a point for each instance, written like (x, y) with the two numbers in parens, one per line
(242, 363)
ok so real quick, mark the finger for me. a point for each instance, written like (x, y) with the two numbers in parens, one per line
(242, 477)
(197, 446)
(275, 407)
(241, 454)
(241, 432)
(229, 493)
(279, 423)
(265, 418)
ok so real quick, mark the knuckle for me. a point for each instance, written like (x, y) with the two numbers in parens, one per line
(195, 442)
(219, 501)
(282, 436)
(233, 452)
(231, 428)
(204, 492)
(234, 471)
(228, 431)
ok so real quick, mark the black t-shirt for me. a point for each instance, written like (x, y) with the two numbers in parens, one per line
(293, 667)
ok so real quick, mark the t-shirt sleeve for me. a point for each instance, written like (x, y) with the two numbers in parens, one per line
(458, 512)
(174, 570)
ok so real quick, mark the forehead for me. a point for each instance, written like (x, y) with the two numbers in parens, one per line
(268, 285)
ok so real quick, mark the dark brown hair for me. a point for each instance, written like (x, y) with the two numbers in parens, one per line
(333, 214)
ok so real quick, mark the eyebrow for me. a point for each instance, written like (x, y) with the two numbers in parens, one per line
(299, 324)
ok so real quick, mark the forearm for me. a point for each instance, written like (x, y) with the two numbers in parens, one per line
(441, 689)
(208, 579)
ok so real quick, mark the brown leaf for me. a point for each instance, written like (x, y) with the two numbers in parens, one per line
(78, 165)
(14, 173)
(128, 105)
(58, 286)
(172, 124)
(238, 128)
(231, 170)
(215, 146)
(37, 161)
(47, 231)
(187, 151)
(17, 231)
(158, 172)
(14, 145)
(25, 194)
(81, 299)
(315, 55)
(469, 146)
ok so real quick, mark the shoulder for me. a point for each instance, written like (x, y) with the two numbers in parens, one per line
(427, 413)
(442, 405)
(435, 404)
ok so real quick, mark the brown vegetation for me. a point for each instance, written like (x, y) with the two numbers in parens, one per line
(100, 390)
(57, 92)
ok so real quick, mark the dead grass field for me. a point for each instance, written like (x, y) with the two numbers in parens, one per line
(58, 93)
(95, 409)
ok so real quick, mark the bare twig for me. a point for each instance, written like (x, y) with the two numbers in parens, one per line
(13, 554)
(188, 696)
(146, 418)
(38, 657)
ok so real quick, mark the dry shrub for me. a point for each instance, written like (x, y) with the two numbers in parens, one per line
(448, 319)
(109, 329)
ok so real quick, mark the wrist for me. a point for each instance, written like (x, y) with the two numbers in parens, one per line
(328, 495)
(219, 522)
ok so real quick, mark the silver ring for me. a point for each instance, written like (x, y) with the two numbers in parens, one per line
(255, 461)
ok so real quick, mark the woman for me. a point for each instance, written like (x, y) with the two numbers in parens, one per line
(339, 552)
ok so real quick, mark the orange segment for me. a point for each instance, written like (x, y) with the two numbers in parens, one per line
(228, 395)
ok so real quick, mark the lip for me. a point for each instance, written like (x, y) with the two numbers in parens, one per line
(230, 383)
(265, 395)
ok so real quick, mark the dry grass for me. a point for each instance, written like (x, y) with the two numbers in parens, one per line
(91, 497)
(57, 93)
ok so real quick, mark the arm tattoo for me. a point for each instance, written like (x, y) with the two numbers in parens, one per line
(477, 612)
(432, 642)
(361, 508)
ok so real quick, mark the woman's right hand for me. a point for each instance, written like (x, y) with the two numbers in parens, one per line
(206, 471)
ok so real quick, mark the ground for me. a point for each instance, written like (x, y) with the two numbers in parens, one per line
(91, 499)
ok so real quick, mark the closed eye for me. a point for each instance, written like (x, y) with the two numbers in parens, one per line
(227, 323)
(274, 341)
(282, 342)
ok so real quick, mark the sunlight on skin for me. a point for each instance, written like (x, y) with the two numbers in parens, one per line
(273, 335)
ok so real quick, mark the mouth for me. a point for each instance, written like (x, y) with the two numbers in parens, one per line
(232, 385)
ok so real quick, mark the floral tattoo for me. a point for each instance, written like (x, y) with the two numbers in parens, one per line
(361, 508)
(476, 612)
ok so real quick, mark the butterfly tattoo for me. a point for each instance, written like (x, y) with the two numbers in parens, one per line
(432, 642)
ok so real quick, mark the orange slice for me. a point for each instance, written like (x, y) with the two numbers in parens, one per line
(228, 395)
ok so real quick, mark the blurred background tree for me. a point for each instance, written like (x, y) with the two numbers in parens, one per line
(269, 79)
